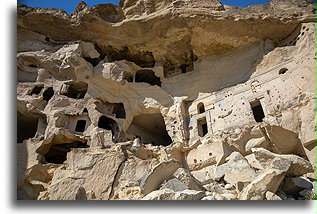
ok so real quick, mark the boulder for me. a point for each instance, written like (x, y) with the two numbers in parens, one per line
(308, 194)
(254, 163)
(240, 186)
(188, 179)
(256, 143)
(129, 191)
(281, 194)
(283, 139)
(94, 171)
(131, 171)
(168, 194)
(272, 196)
(268, 180)
(236, 170)
(292, 186)
(230, 196)
(214, 187)
(175, 185)
(189, 195)
(205, 174)
(229, 187)
(65, 189)
(163, 194)
(299, 166)
(161, 172)
(219, 197)
(208, 198)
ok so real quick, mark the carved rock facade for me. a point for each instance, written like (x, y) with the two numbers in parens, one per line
(113, 101)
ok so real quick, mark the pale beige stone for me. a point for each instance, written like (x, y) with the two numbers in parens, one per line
(210, 153)
(112, 100)
(256, 143)
(272, 196)
(161, 172)
(299, 166)
(237, 169)
(165, 194)
(204, 175)
(254, 163)
(129, 191)
(189, 195)
(175, 185)
(94, 171)
(208, 198)
(188, 179)
(268, 180)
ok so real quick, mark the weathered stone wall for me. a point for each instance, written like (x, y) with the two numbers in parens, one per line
(113, 100)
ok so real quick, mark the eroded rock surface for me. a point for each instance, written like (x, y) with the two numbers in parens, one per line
(167, 100)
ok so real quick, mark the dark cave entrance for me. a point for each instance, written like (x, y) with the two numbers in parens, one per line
(36, 90)
(48, 94)
(282, 71)
(80, 126)
(26, 127)
(202, 127)
(76, 90)
(58, 152)
(93, 61)
(147, 76)
(201, 108)
(151, 129)
(118, 110)
(257, 111)
(108, 124)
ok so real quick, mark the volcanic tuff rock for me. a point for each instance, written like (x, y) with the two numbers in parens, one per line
(166, 100)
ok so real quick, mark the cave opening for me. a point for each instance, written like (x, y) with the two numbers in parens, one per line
(80, 126)
(184, 68)
(114, 109)
(58, 152)
(36, 90)
(128, 77)
(144, 59)
(150, 129)
(93, 61)
(187, 68)
(171, 71)
(26, 127)
(118, 110)
(257, 111)
(108, 124)
(48, 94)
(201, 108)
(202, 127)
(282, 71)
(76, 90)
(147, 76)
(85, 110)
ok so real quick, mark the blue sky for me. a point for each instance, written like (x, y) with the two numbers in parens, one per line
(69, 5)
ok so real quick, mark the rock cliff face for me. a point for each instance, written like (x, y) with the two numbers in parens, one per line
(167, 100)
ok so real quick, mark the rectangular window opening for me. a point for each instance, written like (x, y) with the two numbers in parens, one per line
(257, 111)
(202, 127)
(80, 126)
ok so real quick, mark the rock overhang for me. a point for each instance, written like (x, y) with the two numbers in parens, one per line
(181, 31)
